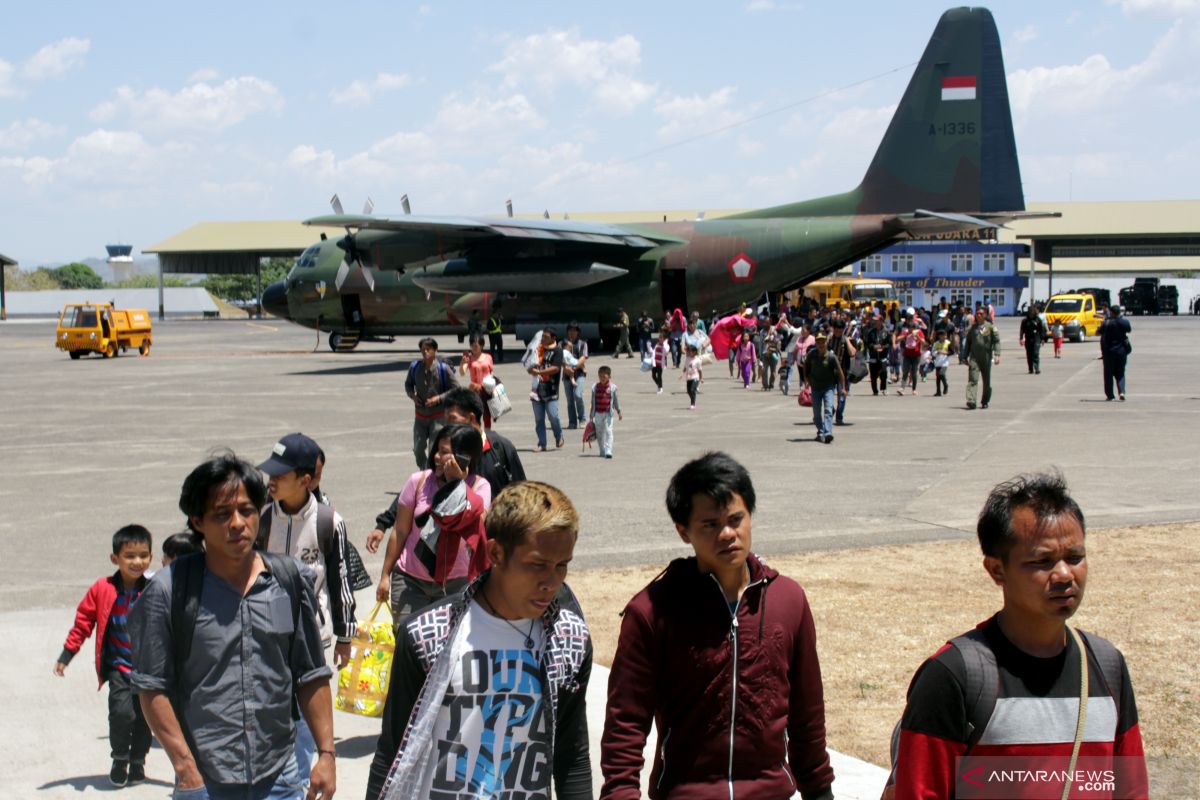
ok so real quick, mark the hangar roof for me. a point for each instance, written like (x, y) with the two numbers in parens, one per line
(6, 261)
(273, 237)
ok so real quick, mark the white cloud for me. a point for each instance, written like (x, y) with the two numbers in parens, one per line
(694, 114)
(361, 93)
(557, 58)
(205, 75)
(21, 134)
(6, 75)
(1026, 34)
(197, 107)
(1160, 7)
(104, 160)
(56, 59)
(511, 113)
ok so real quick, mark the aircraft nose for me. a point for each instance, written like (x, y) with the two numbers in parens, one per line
(274, 300)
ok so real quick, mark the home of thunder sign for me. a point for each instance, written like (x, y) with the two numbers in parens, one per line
(497, 741)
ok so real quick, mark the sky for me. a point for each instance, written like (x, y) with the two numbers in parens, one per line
(132, 121)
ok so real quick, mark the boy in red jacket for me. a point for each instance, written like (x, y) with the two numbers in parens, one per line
(104, 608)
(720, 653)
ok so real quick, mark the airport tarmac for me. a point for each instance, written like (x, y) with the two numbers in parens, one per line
(87, 446)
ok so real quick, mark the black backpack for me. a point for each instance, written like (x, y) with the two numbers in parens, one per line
(983, 682)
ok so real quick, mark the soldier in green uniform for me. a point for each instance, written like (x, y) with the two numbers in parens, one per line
(623, 331)
(983, 350)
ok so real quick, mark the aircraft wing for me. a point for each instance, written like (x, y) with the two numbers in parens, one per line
(473, 229)
(926, 223)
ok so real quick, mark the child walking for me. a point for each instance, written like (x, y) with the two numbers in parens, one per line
(692, 373)
(104, 608)
(660, 353)
(942, 348)
(604, 405)
(1056, 331)
(746, 356)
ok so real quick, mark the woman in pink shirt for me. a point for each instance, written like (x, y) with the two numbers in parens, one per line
(438, 544)
(478, 365)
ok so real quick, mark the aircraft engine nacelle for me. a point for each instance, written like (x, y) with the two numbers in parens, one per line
(535, 276)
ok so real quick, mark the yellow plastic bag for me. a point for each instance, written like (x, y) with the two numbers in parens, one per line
(363, 682)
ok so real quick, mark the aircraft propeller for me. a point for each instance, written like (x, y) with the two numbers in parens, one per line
(353, 254)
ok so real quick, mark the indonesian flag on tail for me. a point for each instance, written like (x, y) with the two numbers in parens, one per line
(961, 87)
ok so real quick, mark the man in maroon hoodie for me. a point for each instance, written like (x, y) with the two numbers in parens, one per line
(719, 651)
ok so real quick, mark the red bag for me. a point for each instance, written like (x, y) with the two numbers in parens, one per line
(805, 397)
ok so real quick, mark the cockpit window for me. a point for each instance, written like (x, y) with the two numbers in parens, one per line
(308, 258)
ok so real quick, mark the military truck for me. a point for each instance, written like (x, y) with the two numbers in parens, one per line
(100, 328)
(1149, 296)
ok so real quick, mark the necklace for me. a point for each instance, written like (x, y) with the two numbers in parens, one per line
(528, 636)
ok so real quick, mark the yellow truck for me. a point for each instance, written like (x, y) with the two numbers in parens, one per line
(852, 292)
(1077, 313)
(100, 328)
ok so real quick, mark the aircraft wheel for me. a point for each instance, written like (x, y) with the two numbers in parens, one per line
(75, 354)
(335, 339)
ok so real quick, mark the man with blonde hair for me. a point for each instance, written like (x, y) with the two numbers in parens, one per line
(487, 691)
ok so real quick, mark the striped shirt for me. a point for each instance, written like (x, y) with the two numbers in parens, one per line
(118, 654)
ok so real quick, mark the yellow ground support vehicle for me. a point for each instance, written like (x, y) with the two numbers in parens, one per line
(852, 292)
(1077, 313)
(100, 328)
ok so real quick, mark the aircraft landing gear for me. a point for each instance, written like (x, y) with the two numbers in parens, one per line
(343, 342)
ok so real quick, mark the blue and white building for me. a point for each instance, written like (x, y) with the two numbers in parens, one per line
(925, 271)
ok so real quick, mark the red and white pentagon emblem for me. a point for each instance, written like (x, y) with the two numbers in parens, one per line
(741, 268)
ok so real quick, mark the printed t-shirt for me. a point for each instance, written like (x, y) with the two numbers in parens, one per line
(492, 736)
(480, 368)
(691, 368)
(409, 563)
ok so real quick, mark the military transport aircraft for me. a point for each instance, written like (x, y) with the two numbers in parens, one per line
(947, 162)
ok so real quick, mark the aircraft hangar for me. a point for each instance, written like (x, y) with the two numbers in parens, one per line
(1097, 244)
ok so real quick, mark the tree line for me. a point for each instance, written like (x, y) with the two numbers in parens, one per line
(231, 288)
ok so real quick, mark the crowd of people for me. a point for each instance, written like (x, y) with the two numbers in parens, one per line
(226, 654)
(221, 654)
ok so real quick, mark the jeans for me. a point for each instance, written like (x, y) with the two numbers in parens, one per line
(822, 409)
(576, 416)
(128, 733)
(423, 432)
(305, 752)
(909, 373)
(943, 385)
(841, 403)
(604, 432)
(785, 377)
(692, 386)
(541, 410)
(288, 785)
(1114, 372)
(767, 370)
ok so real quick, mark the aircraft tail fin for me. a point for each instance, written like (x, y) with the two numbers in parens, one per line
(950, 145)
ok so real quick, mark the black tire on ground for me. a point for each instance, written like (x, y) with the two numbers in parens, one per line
(75, 354)
(335, 339)
(111, 352)
(144, 347)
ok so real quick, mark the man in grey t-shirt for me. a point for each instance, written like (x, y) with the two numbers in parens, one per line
(225, 715)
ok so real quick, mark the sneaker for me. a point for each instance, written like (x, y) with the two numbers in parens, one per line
(691, 408)
(937, 394)
(900, 392)
(659, 391)
(820, 438)
(137, 773)
(829, 438)
(983, 405)
(971, 406)
(1122, 398)
(608, 455)
(118, 776)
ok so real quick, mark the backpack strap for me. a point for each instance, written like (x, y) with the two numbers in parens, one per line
(982, 682)
(1109, 659)
(264, 527)
(324, 528)
(187, 580)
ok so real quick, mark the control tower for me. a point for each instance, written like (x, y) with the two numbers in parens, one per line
(120, 260)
